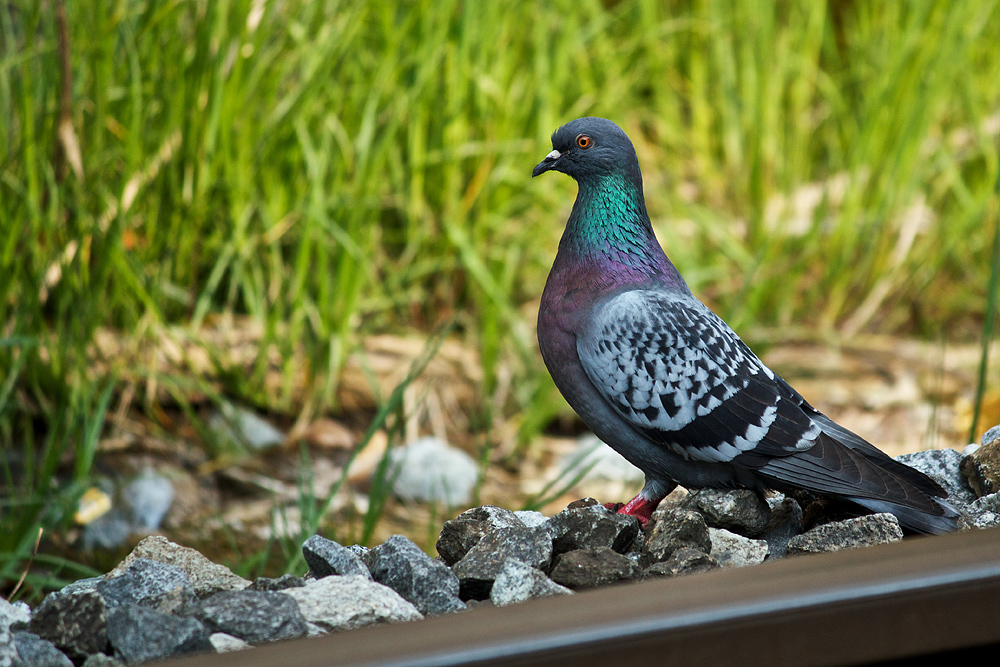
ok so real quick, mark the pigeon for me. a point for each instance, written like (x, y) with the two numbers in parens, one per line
(665, 382)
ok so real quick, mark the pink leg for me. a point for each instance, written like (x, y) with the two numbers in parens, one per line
(639, 507)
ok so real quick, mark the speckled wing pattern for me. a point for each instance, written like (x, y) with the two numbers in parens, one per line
(678, 373)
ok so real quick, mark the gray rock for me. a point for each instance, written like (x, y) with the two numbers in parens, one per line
(239, 427)
(738, 510)
(110, 530)
(982, 468)
(253, 616)
(139, 634)
(101, 660)
(326, 557)
(518, 582)
(37, 652)
(429, 470)
(674, 528)
(785, 523)
(362, 552)
(588, 527)
(224, 643)
(862, 531)
(148, 583)
(206, 577)
(638, 544)
(990, 435)
(732, 550)
(585, 502)
(16, 614)
(80, 585)
(463, 532)
(426, 583)
(682, 561)
(480, 566)
(149, 497)
(457, 538)
(351, 601)
(589, 568)
(983, 512)
(944, 467)
(281, 583)
(74, 622)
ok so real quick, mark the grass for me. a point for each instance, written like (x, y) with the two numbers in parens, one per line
(990, 317)
(333, 169)
(313, 509)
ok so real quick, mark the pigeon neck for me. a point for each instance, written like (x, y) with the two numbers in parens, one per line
(609, 224)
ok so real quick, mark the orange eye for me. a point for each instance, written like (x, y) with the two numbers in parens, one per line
(583, 141)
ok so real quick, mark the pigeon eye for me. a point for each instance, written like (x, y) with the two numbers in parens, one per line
(583, 141)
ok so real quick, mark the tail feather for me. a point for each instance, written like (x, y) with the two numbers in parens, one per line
(857, 443)
(867, 477)
(916, 520)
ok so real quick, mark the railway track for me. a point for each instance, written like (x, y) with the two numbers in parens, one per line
(937, 596)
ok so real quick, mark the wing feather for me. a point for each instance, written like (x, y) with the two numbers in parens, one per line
(679, 374)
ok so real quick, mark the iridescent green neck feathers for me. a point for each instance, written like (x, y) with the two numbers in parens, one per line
(609, 223)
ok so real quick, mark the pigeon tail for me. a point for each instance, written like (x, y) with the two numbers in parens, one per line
(853, 469)
(915, 520)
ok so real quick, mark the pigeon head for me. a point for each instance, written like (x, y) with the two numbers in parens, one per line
(589, 148)
(609, 223)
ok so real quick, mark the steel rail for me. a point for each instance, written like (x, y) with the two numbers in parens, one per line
(922, 597)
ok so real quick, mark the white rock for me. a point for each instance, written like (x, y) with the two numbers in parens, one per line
(150, 496)
(429, 470)
(530, 518)
(8, 651)
(242, 427)
(775, 499)
(314, 630)
(14, 612)
(984, 512)
(519, 582)
(732, 550)
(224, 643)
(348, 602)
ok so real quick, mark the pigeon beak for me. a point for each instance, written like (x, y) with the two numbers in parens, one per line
(548, 163)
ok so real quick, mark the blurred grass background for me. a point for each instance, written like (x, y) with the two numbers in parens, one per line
(331, 170)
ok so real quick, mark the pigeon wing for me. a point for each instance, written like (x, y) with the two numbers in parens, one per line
(677, 373)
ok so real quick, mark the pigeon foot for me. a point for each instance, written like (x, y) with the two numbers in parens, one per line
(639, 507)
